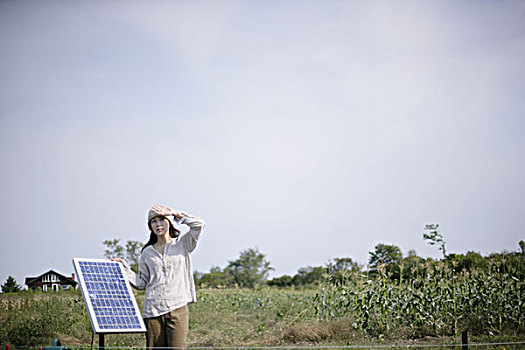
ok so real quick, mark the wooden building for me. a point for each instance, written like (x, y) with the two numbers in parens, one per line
(51, 280)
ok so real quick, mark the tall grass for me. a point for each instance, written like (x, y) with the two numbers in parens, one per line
(36, 318)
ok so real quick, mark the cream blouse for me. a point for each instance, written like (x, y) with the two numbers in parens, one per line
(168, 277)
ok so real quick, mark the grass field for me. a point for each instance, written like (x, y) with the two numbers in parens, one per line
(222, 317)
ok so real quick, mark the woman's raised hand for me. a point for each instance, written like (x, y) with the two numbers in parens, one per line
(162, 210)
(166, 211)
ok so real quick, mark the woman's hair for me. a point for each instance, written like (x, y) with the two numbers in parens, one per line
(174, 233)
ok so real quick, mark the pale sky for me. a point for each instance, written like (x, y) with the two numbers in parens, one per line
(309, 129)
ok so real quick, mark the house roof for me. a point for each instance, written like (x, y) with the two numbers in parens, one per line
(30, 280)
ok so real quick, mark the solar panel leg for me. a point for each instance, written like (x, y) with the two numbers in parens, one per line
(101, 345)
(464, 340)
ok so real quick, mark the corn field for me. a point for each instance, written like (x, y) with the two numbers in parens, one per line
(437, 302)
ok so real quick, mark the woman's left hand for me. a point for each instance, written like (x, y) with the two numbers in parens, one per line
(179, 215)
(167, 211)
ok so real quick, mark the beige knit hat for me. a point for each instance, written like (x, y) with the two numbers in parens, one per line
(161, 210)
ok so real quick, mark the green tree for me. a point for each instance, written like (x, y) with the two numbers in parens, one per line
(131, 253)
(412, 266)
(342, 269)
(467, 262)
(385, 255)
(309, 276)
(113, 249)
(343, 265)
(10, 286)
(283, 281)
(216, 278)
(250, 269)
(434, 237)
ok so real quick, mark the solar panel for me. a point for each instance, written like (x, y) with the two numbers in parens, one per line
(110, 302)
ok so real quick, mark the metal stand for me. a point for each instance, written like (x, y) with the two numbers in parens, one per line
(464, 340)
(101, 345)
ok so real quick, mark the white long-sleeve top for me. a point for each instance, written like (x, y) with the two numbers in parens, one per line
(168, 277)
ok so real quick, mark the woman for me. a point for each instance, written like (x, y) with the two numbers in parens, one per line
(165, 273)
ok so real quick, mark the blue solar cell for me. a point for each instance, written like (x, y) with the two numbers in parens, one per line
(108, 297)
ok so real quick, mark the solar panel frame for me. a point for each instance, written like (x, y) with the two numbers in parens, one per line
(108, 296)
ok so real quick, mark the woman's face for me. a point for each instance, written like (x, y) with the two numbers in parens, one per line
(160, 225)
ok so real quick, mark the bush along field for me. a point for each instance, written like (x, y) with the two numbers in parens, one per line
(396, 300)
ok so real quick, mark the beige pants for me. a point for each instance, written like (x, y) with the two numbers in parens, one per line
(168, 330)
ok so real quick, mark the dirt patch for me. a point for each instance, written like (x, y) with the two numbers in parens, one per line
(302, 333)
(316, 332)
